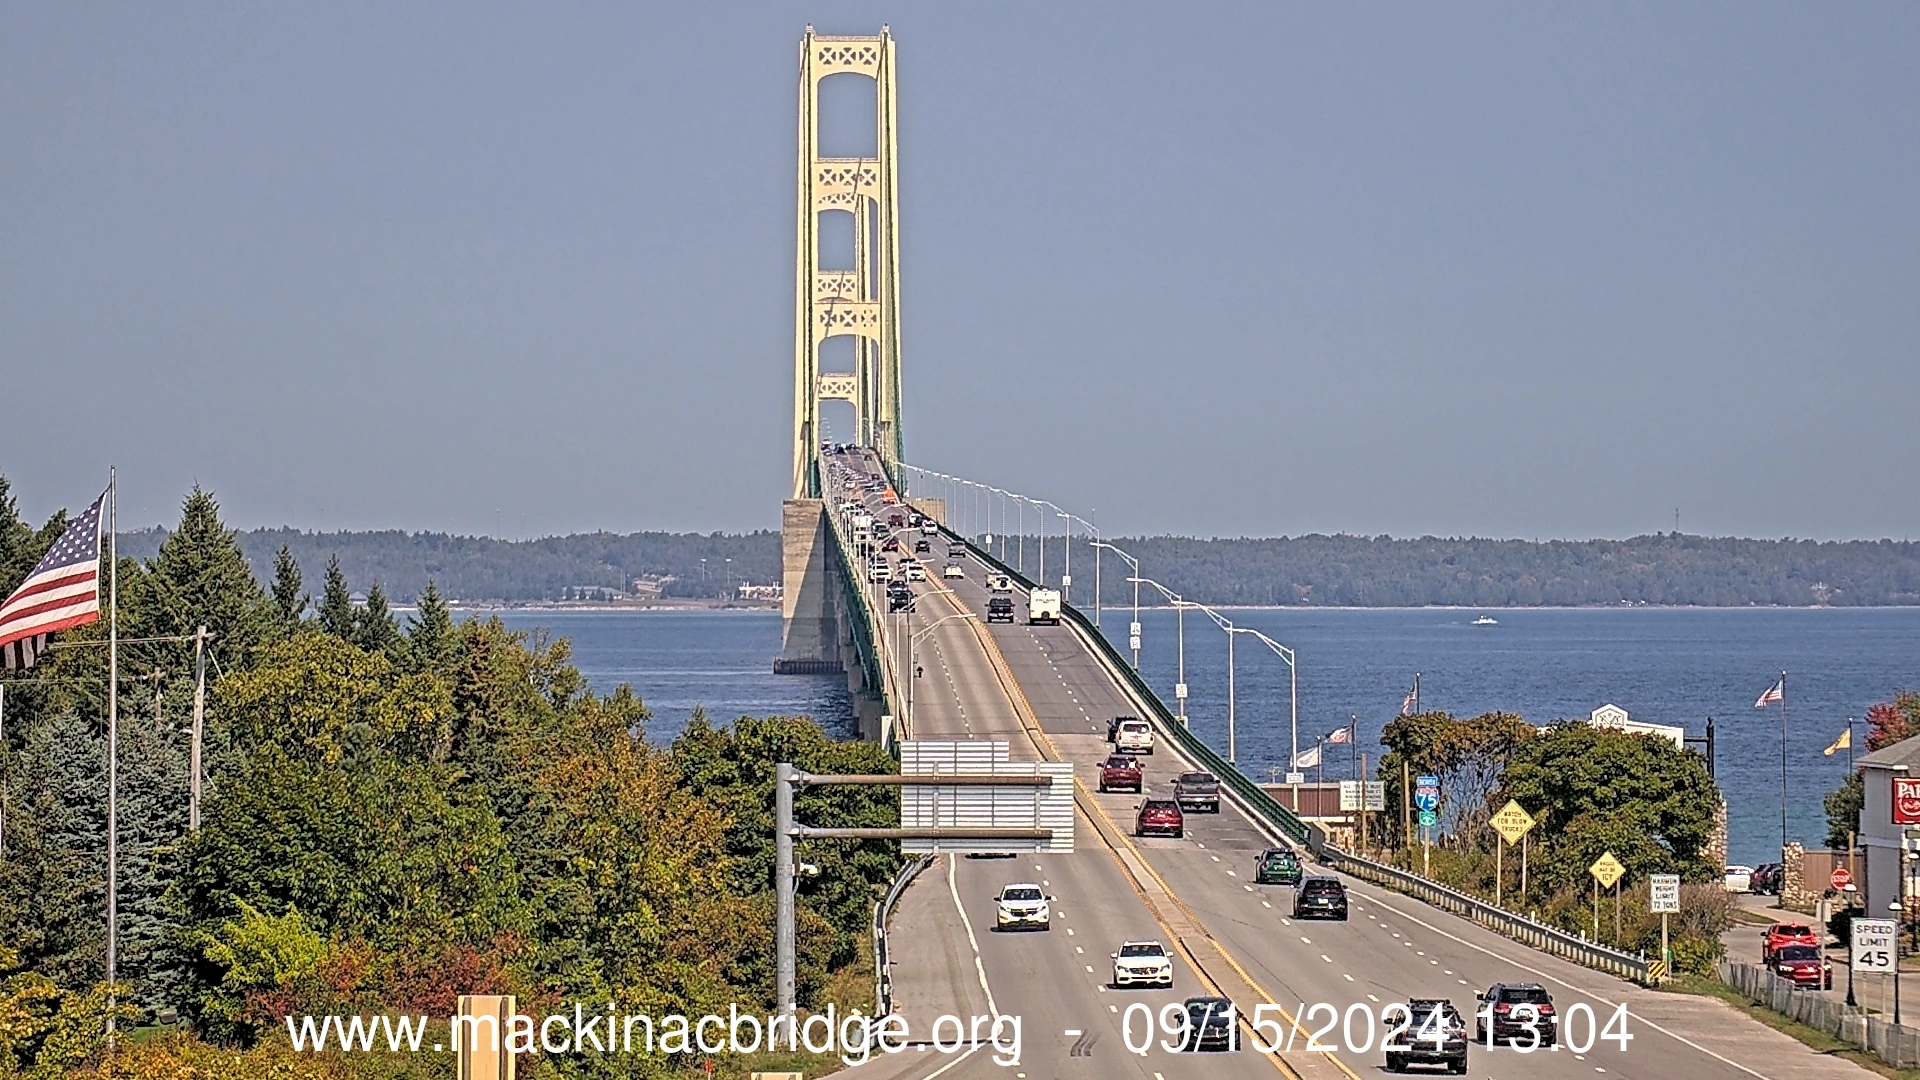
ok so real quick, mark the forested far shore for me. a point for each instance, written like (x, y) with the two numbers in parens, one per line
(1317, 570)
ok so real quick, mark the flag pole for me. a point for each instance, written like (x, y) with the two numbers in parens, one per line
(1783, 765)
(113, 745)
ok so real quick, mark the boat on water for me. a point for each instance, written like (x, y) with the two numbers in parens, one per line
(1486, 620)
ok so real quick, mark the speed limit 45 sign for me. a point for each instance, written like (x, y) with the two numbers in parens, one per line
(1872, 949)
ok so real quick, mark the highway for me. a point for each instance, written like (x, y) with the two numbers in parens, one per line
(1043, 690)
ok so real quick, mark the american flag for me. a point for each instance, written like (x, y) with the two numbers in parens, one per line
(1406, 704)
(1340, 735)
(1776, 692)
(62, 592)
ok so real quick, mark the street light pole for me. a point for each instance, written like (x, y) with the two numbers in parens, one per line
(1066, 533)
(1133, 632)
(1293, 683)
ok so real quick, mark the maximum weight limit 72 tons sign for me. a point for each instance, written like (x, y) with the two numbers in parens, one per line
(1872, 945)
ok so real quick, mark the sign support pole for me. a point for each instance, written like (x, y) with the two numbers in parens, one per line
(1523, 870)
(1667, 954)
(1499, 874)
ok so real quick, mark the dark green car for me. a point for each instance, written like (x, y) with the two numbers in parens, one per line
(1276, 866)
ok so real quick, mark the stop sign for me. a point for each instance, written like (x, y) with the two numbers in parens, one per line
(1841, 877)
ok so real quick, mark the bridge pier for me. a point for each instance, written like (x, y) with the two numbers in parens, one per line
(817, 636)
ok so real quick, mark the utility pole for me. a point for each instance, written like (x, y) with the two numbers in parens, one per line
(783, 889)
(199, 724)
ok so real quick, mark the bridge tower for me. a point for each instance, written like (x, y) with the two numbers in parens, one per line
(861, 301)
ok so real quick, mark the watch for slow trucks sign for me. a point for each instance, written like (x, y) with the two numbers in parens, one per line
(1906, 800)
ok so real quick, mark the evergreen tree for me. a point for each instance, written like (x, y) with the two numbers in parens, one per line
(336, 606)
(286, 587)
(16, 540)
(430, 632)
(374, 628)
(200, 577)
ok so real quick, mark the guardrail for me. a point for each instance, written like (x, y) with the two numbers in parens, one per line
(866, 640)
(882, 964)
(1255, 800)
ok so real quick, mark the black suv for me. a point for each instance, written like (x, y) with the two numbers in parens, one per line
(1436, 1035)
(1210, 1025)
(1000, 609)
(1320, 898)
(899, 597)
(1521, 1011)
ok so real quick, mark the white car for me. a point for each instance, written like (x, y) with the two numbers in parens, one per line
(1022, 905)
(1142, 963)
(879, 572)
(953, 570)
(1133, 737)
(916, 572)
(1739, 879)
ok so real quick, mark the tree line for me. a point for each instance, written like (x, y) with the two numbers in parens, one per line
(1316, 570)
(479, 568)
(396, 812)
(1591, 790)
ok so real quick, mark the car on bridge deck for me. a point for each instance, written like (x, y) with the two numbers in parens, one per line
(1122, 773)
(892, 543)
(1210, 1025)
(1277, 866)
(1198, 792)
(1022, 905)
(1159, 817)
(921, 547)
(1142, 963)
(1320, 898)
(952, 570)
(1134, 737)
(916, 572)
(1113, 725)
(1435, 1035)
(1000, 609)
(879, 571)
(956, 551)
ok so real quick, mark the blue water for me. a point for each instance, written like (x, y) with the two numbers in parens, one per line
(1664, 666)
(677, 661)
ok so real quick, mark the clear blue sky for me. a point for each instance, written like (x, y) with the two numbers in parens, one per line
(1514, 270)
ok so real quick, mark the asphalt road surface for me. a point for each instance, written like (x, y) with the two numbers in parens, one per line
(1044, 691)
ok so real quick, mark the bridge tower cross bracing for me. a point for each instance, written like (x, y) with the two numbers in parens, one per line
(862, 302)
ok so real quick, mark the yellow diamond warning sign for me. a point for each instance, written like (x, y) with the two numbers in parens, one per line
(1606, 870)
(1512, 822)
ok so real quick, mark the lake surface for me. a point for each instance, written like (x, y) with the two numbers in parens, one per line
(1666, 666)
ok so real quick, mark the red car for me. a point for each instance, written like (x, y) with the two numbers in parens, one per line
(1782, 934)
(1805, 966)
(1160, 817)
(1121, 772)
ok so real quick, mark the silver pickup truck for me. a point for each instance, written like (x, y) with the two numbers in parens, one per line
(1198, 791)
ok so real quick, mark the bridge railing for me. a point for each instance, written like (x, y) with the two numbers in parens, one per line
(867, 642)
(1256, 801)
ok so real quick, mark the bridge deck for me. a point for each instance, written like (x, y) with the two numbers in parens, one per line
(1043, 690)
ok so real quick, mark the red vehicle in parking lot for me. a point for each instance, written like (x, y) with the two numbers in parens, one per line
(1160, 817)
(1121, 772)
(1805, 966)
(1782, 934)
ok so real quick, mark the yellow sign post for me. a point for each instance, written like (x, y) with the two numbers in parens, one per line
(1512, 823)
(1607, 872)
